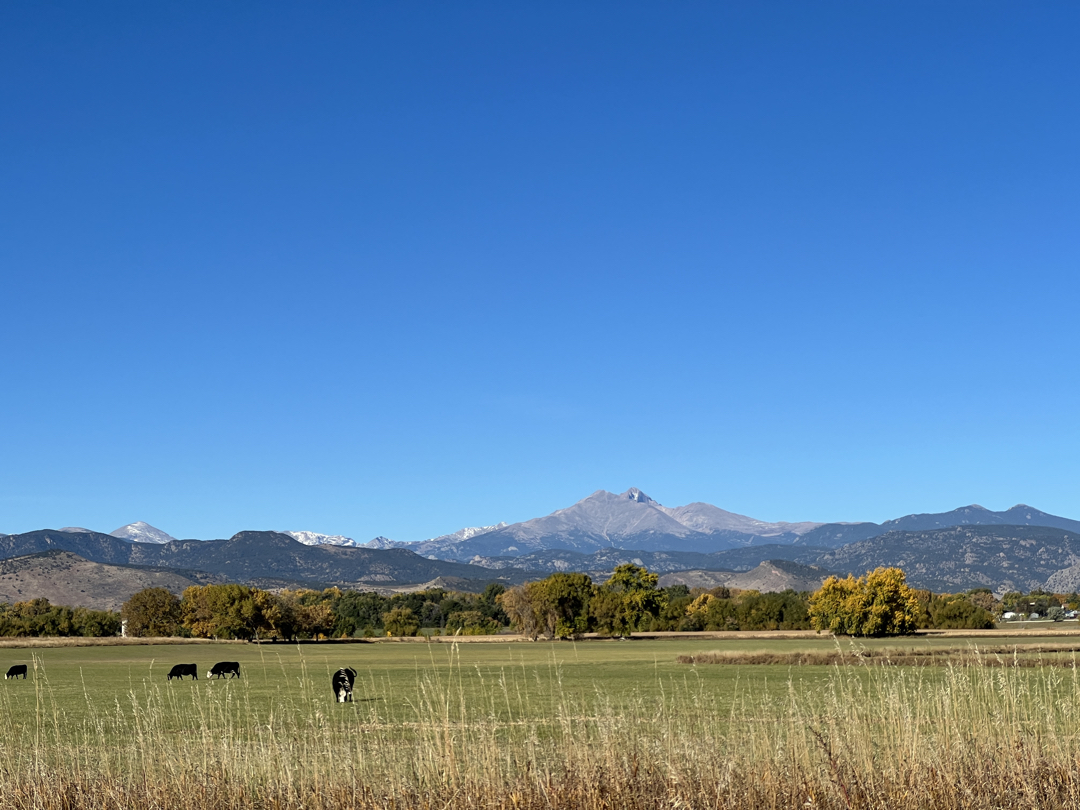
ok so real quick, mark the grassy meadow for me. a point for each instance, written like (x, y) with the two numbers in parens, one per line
(511, 725)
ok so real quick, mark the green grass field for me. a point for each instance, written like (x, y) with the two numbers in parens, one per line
(586, 724)
(529, 679)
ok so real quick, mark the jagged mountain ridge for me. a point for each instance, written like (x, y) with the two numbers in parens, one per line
(434, 547)
(631, 520)
(316, 539)
(256, 557)
(1001, 558)
(834, 535)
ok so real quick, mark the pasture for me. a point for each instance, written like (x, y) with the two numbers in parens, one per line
(587, 724)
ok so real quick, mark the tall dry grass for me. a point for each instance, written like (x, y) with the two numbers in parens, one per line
(872, 737)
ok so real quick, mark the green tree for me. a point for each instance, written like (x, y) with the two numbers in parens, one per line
(957, 612)
(356, 610)
(878, 604)
(224, 611)
(38, 617)
(489, 603)
(606, 612)
(563, 604)
(401, 621)
(95, 623)
(152, 612)
(471, 623)
(640, 599)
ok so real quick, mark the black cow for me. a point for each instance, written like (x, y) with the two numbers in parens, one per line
(223, 668)
(16, 671)
(180, 670)
(342, 683)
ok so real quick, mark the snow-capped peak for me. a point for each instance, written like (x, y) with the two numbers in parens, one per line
(467, 533)
(140, 532)
(316, 539)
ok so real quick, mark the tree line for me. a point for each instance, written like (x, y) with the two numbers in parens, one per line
(878, 604)
(563, 605)
(39, 617)
(567, 605)
(246, 612)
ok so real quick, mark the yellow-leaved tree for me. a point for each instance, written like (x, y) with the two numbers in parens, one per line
(878, 604)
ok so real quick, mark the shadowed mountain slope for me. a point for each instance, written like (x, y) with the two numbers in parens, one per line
(1002, 558)
(254, 556)
(606, 560)
(833, 535)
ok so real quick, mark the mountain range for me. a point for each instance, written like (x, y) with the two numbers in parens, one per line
(1017, 549)
(267, 559)
(634, 521)
(631, 520)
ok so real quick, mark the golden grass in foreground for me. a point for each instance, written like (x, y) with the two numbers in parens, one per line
(949, 737)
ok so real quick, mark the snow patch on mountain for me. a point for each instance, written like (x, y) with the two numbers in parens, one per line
(142, 532)
(429, 548)
(384, 543)
(466, 534)
(316, 539)
(76, 530)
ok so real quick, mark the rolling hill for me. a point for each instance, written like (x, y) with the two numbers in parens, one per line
(769, 577)
(65, 578)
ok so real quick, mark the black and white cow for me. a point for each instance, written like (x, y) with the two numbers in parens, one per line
(16, 671)
(223, 668)
(342, 683)
(180, 670)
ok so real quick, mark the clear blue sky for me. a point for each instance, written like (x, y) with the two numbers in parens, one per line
(399, 268)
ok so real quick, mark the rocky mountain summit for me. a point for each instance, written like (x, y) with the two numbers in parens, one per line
(630, 520)
(140, 532)
(316, 539)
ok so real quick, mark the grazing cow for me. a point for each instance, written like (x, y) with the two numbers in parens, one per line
(180, 670)
(223, 668)
(342, 683)
(16, 671)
